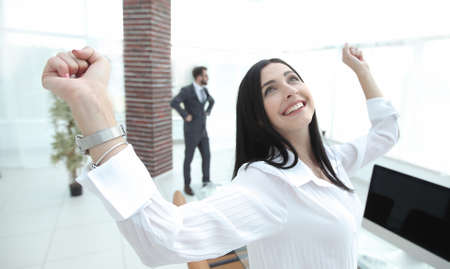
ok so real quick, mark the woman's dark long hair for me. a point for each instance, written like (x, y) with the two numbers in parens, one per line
(257, 140)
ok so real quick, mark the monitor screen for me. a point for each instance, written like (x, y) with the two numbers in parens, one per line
(417, 210)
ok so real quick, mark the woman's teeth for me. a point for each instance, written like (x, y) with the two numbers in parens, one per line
(293, 108)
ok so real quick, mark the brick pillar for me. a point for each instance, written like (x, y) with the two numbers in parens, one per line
(148, 81)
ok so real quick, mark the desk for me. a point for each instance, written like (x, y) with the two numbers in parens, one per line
(376, 253)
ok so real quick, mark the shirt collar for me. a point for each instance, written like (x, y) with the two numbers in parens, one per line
(296, 175)
(196, 86)
(301, 174)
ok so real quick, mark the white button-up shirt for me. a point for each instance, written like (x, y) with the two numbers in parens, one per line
(200, 92)
(287, 218)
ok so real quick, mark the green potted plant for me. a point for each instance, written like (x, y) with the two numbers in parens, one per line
(64, 147)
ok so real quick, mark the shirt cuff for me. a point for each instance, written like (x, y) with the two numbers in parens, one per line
(380, 108)
(123, 183)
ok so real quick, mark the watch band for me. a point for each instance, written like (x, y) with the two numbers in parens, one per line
(100, 137)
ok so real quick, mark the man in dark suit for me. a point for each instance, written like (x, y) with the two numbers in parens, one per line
(194, 98)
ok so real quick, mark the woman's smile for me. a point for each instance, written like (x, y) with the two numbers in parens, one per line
(294, 109)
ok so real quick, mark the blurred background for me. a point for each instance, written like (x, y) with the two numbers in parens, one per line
(406, 43)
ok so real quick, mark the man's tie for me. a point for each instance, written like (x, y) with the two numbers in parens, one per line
(203, 95)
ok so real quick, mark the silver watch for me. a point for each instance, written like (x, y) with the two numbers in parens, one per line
(100, 137)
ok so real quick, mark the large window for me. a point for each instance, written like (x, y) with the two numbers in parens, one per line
(31, 32)
(409, 58)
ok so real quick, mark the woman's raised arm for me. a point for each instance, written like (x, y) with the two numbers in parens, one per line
(80, 78)
(384, 131)
(353, 57)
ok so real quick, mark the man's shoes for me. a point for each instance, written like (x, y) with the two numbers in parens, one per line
(188, 190)
(205, 183)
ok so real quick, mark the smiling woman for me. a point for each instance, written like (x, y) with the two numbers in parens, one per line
(291, 201)
(284, 120)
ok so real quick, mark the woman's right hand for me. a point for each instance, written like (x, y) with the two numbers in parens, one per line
(80, 78)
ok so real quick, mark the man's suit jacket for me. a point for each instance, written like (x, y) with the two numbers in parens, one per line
(195, 129)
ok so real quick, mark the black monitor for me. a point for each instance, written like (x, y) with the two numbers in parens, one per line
(411, 213)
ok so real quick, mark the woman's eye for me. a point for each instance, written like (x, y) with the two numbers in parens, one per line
(268, 90)
(294, 78)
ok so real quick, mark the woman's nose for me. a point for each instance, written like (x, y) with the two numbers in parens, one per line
(290, 91)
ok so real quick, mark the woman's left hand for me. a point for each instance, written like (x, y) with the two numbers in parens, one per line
(353, 57)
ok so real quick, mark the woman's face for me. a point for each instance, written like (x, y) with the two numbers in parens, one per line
(287, 100)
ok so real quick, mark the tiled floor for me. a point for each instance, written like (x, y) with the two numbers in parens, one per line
(42, 227)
